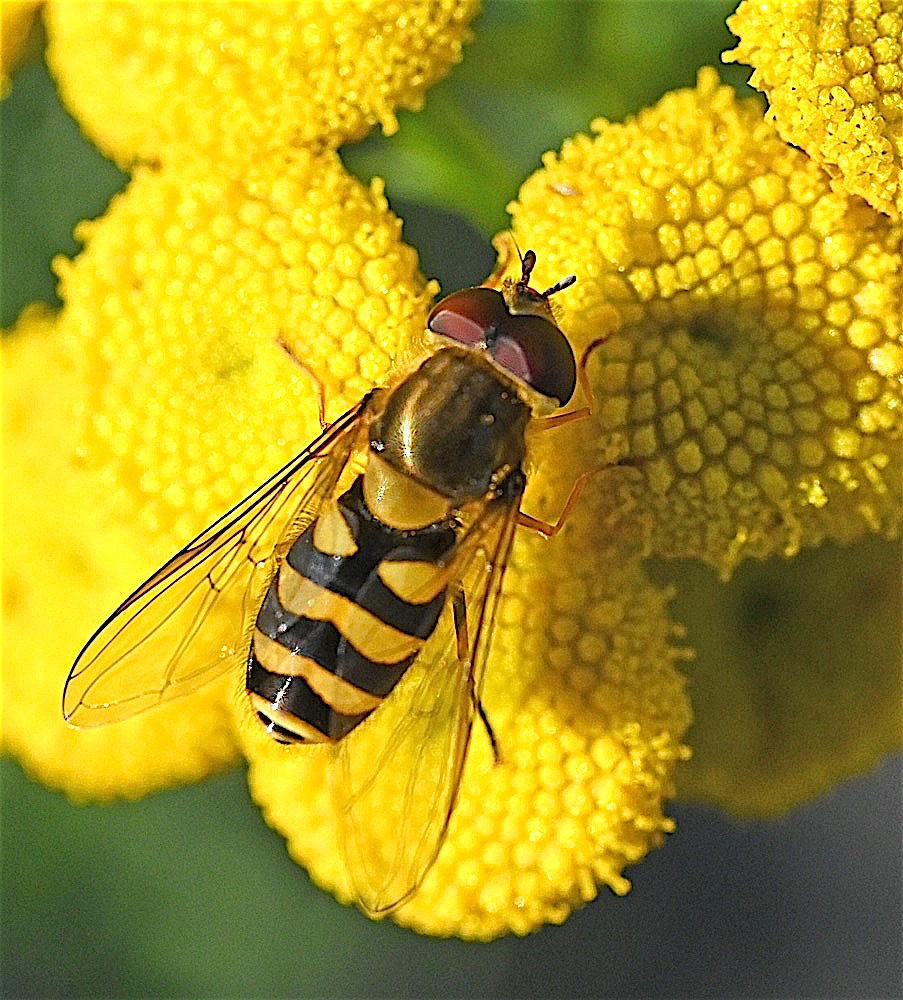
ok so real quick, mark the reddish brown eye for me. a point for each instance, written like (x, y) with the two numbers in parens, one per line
(537, 352)
(469, 316)
(527, 346)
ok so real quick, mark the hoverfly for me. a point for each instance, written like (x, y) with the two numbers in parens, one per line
(381, 545)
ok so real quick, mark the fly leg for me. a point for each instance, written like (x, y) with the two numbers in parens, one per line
(321, 390)
(558, 420)
(459, 612)
(582, 412)
(506, 246)
(549, 530)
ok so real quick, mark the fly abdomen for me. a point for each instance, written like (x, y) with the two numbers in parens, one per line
(347, 613)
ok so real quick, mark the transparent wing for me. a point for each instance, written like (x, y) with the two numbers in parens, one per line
(395, 794)
(183, 627)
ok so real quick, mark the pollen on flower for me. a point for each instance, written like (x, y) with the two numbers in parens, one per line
(64, 552)
(191, 402)
(155, 82)
(753, 318)
(588, 753)
(833, 75)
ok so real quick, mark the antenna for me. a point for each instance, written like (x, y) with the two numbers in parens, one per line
(528, 262)
(559, 285)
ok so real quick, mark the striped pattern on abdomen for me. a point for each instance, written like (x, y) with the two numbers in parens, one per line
(348, 611)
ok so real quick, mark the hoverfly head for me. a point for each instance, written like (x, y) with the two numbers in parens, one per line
(517, 328)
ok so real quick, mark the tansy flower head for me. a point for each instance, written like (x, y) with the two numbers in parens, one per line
(80, 572)
(796, 683)
(752, 367)
(833, 74)
(154, 81)
(588, 711)
(201, 271)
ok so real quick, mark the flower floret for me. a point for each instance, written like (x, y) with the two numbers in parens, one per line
(66, 563)
(833, 74)
(156, 81)
(753, 324)
(203, 275)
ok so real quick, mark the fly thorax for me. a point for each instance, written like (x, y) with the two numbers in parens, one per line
(454, 425)
(398, 500)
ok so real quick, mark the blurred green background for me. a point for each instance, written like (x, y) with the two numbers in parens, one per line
(189, 894)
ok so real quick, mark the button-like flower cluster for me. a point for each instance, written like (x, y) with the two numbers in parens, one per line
(754, 361)
(225, 80)
(201, 271)
(833, 74)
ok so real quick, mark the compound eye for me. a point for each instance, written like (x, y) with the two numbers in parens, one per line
(469, 316)
(538, 353)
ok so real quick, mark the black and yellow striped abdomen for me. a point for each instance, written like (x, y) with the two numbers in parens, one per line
(348, 611)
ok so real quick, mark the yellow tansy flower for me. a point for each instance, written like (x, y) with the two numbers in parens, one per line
(797, 683)
(67, 561)
(833, 74)
(174, 400)
(201, 271)
(753, 367)
(153, 81)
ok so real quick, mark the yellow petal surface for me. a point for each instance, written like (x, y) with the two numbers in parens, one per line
(589, 712)
(66, 564)
(154, 81)
(753, 361)
(833, 75)
(175, 310)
